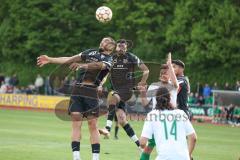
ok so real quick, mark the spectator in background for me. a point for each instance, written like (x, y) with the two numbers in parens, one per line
(192, 99)
(199, 88)
(14, 80)
(2, 79)
(229, 113)
(6, 88)
(208, 101)
(206, 91)
(39, 82)
(7, 80)
(227, 87)
(236, 116)
(215, 86)
(29, 89)
(22, 90)
(237, 87)
(3, 88)
(16, 90)
(47, 88)
(200, 101)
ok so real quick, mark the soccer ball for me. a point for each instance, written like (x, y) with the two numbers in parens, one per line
(103, 14)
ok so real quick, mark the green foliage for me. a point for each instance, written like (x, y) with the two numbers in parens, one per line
(205, 34)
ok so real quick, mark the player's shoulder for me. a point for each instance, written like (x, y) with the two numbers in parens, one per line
(182, 79)
(178, 111)
(90, 51)
(132, 56)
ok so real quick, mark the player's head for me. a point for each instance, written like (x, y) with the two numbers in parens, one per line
(164, 76)
(122, 46)
(107, 44)
(178, 67)
(163, 99)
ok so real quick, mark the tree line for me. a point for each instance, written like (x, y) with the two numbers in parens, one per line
(204, 34)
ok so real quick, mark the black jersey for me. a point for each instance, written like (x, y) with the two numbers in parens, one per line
(182, 96)
(122, 72)
(96, 76)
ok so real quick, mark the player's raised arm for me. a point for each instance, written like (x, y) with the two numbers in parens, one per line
(44, 59)
(145, 71)
(172, 75)
(143, 94)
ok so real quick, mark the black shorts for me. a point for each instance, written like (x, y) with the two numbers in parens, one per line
(84, 99)
(124, 95)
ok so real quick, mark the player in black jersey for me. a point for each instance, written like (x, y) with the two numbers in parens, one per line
(123, 81)
(84, 98)
(184, 87)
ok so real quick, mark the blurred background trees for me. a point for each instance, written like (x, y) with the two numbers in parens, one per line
(204, 34)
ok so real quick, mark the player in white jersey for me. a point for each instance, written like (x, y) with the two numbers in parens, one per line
(174, 135)
(167, 79)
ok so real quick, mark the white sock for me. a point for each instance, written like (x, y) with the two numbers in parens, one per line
(134, 138)
(95, 156)
(109, 123)
(76, 155)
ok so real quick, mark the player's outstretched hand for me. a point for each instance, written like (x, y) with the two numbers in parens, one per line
(42, 60)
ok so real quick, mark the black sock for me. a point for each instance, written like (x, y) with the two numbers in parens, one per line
(130, 132)
(96, 148)
(128, 129)
(137, 143)
(116, 131)
(75, 146)
(111, 112)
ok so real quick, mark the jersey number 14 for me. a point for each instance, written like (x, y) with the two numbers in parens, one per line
(173, 130)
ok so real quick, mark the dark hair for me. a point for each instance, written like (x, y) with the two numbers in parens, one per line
(163, 99)
(179, 63)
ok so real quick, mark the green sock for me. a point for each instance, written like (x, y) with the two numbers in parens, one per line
(145, 156)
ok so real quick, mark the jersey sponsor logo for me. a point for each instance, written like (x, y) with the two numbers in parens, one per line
(92, 59)
(93, 53)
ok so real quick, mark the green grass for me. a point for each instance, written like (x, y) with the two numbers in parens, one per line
(28, 135)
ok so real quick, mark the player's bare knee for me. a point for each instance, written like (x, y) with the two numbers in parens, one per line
(75, 116)
(122, 119)
(92, 124)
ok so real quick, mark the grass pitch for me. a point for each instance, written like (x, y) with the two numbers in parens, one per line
(31, 135)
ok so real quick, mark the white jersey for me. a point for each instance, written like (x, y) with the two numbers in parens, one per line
(169, 133)
(152, 89)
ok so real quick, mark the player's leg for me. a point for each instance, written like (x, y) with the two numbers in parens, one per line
(116, 127)
(113, 100)
(76, 135)
(122, 119)
(75, 108)
(94, 138)
(148, 149)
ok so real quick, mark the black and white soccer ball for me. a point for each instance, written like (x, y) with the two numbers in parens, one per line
(104, 14)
